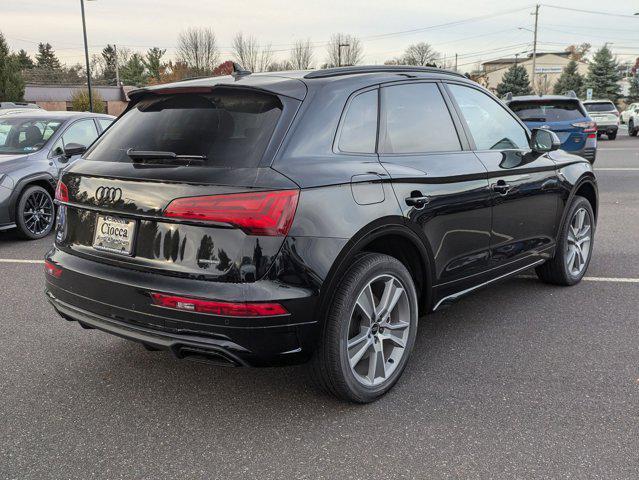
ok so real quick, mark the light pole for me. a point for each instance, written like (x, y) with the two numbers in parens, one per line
(86, 56)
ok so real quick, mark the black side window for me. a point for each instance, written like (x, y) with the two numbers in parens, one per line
(491, 126)
(359, 129)
(415, 119)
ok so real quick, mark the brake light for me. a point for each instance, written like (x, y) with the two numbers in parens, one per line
(62, 192)
(52, 269)
(258, 213)
(213, 307)
(587, 126)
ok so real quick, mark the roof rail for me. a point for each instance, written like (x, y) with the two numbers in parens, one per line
(338, 71)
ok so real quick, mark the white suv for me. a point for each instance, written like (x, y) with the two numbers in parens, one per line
(605, 115)
(633, 121)
(627, 113)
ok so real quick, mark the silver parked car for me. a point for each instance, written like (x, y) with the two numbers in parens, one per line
(35, 145)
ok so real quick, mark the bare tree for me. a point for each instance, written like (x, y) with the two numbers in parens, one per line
(420, 54)
(280, 66)
(197, 47)
(302, 55)
(343, 50)
(250, 55)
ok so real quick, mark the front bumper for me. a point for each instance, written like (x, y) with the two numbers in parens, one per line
(116, 301)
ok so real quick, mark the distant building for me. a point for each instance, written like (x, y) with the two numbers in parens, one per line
(58, 97)
(548, 68)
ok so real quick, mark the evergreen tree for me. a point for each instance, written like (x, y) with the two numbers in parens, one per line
(153, 61)
(570, 79)
(46, 57)
(11, 82)
(515, 81)
(24, 60)
(109, 59)
(134, 72)
(603, 75)
(633, 91)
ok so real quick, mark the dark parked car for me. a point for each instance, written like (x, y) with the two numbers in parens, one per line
(34, 146)
(277, 218)
(565, 115)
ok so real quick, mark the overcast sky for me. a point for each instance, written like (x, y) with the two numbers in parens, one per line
(385, 27)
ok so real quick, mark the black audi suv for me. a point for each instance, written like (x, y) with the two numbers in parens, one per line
(269, 219)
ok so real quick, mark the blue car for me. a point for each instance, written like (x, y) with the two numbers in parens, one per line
(563, 114)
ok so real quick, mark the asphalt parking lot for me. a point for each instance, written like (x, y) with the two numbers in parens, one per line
(522, 380)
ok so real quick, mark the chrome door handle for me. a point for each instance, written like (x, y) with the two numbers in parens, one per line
(417, 202)
(501, 187)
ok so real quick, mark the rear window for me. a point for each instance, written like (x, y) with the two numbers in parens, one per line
(550, 111)
(600, 107)
(230, 128)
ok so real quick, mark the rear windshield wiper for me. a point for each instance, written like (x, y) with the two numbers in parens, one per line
(152, 156)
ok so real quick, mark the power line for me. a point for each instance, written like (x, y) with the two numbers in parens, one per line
(593, 12)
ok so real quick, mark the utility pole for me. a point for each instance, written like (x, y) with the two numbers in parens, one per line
(339, 52)
(534, 59)
(86, 56)
(455, 62)
(117, 66)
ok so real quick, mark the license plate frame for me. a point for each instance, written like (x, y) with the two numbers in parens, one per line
(119, 240)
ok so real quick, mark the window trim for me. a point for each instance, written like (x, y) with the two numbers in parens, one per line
(464, 124)
(342, 120)
(382, 121)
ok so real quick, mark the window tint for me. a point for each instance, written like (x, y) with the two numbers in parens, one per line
(230, 127)
(82, 133)
(417, 120)
(359, 130)
(104, 122)
(491, 126)
(25, 135)
(548, 111)
(600, 107)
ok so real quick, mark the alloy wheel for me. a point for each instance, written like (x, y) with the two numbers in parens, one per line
(378, 330)
(38, 212)
(578, 242)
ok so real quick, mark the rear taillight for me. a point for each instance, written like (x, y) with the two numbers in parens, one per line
(213, 307)
(258, 213)
(62, 192)
(587, 126)
(52, 269)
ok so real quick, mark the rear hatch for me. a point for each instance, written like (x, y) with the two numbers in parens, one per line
(603, 113)
(565, 117)
(181, 185)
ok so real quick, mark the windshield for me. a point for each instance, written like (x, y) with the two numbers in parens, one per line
(25, 135)
(550, 111)
(228, 127)
(600, 107)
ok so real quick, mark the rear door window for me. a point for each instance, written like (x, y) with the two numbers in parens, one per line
(104, 123)
(359, 129)
(229, 127)
(490, 124)
(415, 119)
(549, 111)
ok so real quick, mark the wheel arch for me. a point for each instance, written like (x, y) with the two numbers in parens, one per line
(391, 237)
(43, 180)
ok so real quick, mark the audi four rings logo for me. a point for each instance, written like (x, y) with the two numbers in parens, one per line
(108, 194)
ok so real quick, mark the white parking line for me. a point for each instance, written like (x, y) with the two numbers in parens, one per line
(617, 169)
(18, 260)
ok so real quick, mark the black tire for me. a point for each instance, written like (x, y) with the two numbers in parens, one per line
(612, 135)
(37, 198)
(330, 366)
(632, 131)
(555, 271)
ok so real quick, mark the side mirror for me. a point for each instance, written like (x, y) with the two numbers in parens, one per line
(543, 140)
(73, 149)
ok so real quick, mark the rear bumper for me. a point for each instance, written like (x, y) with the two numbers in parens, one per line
(610, 128)
(117, 301)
